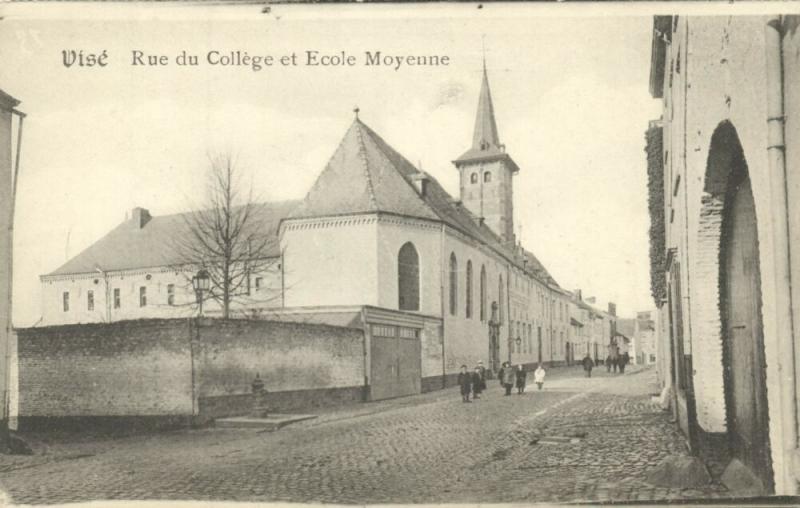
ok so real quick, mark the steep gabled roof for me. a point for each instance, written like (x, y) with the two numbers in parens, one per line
(626, 327)
(364, 175)
(129, 246)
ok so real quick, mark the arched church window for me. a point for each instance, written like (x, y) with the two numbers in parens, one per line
(469, 288)
(473, 178)
(500, 300)
(453, 284)
(483, 293)
(408, 277)
(487, 177)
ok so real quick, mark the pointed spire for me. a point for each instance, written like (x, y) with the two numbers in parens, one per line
(485, 135)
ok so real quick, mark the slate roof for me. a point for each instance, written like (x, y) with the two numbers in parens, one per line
(128, 247)
(626, 327)
(486, 144)
(367, 175)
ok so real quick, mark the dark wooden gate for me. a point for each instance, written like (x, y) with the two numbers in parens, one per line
(743, 352)
(395, 362)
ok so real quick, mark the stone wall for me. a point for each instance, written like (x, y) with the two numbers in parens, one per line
(174, 368)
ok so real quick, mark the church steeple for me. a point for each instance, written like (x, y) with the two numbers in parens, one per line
(485, 135)
(487, 171)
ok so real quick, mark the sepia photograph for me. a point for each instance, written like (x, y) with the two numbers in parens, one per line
(444, 253)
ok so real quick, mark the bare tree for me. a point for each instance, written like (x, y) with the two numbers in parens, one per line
(227, 236)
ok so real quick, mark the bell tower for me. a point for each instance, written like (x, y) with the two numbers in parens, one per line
(487, 171)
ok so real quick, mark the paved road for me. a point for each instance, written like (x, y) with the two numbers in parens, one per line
(430, 448)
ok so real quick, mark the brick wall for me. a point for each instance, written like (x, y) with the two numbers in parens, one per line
(126, 368)
(287, 356)
(144, 368)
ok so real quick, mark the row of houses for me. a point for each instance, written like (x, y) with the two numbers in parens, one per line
(724, 180)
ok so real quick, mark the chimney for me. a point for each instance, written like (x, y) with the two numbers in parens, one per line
(140, 217)
(591, 300)
(578, 294)
(420, 181)
(612, 308)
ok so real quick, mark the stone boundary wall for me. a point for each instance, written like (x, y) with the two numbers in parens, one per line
(174, 370)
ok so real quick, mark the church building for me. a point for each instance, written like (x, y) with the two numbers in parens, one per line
(377, 241)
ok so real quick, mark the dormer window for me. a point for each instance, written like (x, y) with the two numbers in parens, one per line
(473, 178)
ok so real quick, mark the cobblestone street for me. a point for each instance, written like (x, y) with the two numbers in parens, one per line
(430, 448)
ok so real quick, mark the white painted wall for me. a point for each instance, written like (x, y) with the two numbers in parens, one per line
(331, 261)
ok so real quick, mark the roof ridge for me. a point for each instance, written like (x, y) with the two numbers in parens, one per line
(362, 154)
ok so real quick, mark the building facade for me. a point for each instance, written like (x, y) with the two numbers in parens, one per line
(724, 186)
(8, 105)
(373, 232)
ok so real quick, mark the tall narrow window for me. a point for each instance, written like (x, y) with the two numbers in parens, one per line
(408, 277)
(117, 301)
(500, 300)
(469, 288)
(170, 294)
(473, 178)
(142, 296)
(453, 284)
(90, 300)
(65, 301)
(483, 293)
(259, 283)
(487, 177)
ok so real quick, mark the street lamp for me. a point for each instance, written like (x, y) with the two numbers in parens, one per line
(201, 282)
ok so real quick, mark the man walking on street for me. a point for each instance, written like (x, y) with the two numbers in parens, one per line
(587, 365)
(521, 379)
(478, 383)
(465, 382)
(507, 377)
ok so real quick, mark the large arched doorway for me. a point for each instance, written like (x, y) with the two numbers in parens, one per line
(743, 335)
(744, 364)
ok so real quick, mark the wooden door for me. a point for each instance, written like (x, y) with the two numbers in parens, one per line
(396, 362)
(745, 366)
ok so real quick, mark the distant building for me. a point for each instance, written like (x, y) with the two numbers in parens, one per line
(724, 181)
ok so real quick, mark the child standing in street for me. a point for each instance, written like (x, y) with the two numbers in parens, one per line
(465, 382)
(538, 376)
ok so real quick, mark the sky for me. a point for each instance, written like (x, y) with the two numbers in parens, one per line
(570, 96)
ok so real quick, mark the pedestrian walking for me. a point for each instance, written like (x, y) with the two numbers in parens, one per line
(478, 383)
(587, 365)
(623, 361)
(608, 363)
(465, 382)
(538, 376)
(483, 375)
(522, 376)
(507, 377)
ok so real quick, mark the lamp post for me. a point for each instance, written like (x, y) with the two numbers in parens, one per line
(201, 282)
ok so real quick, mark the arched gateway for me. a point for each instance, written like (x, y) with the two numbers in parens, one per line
(744, 366)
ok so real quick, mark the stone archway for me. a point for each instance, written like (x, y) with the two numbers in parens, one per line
(730, 387)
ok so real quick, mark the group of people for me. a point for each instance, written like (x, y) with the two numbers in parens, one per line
(619, 361)
(474, 383)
